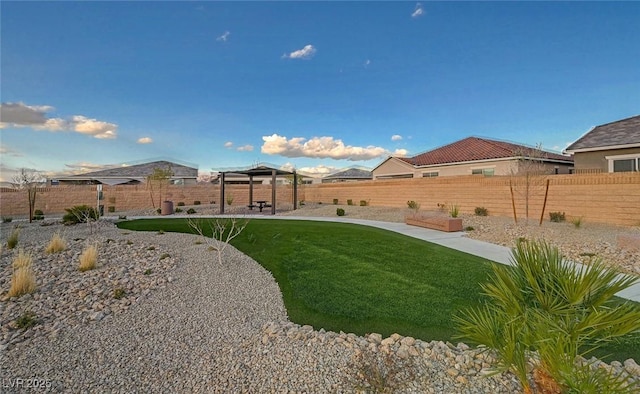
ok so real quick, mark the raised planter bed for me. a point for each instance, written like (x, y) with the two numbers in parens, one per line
(440, 223)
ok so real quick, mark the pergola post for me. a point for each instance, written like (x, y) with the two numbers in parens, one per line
(273, 191)
(295, 190)
(250, 189)
(221, 193)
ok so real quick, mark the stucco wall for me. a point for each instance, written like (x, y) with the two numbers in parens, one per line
(596, 160)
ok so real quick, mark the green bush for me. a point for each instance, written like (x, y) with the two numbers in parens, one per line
(38, 214)
(191, 211)
(557, 217)
(119, 293)
(159, 210)
(349, 202)
(181, 203)
(196, 202)
(335, 201)
(454, 210)
(79, 214)
(481, 211)
(6, 219)
(111, 209)
(178, 210)
(27, 320)
(413, 205)
(12, 241)
(340, 212)
(363, 203)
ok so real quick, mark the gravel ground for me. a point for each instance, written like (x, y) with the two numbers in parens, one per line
(193, 325)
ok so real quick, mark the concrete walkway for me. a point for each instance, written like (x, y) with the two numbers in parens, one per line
(457, 240)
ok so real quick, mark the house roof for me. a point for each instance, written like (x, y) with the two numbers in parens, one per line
(475, 149)
(351, 173)
(139, 171)
(619, 134)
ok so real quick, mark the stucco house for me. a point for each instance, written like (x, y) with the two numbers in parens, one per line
(611, 147)
(132, 175)
(472, 156)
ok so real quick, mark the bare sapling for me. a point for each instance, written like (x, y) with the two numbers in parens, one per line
(222, 231)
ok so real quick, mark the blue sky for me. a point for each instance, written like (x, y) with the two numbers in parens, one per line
(314, 85)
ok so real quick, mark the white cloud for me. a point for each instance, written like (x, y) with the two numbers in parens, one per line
(418, 11)
(400, 152)
(228, 144)
(318, 170)
(145, 140)
(224, 36)
(83, 166)
(367, 63)
(396, 137)
(245, 148)
(7, 151)
(319, 147)
(35, 117)
(305, 53)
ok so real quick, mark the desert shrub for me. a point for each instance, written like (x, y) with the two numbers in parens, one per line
(38, 214)
(540, 296)
(340, 212)
(229, 200)
(363, 203)
(79, 214)
(196, 202)
(88, 258)
(481, 211)
(148, 271)
(577, 222)
(27, 320)
(165, 256)
(469, 228)
(56, 244)
(191, 211)
(335, 201)
(380, 372)
(23, 281)
(151, 248)
(181, 203)
(111, 209)
(413, 205)
(22, 259)
(7, 219)
(557, 217)
(349, 202)
(159, 211)
(454, 210)
(122, 217)
(12, 241)
(178, 210)
(119, 293)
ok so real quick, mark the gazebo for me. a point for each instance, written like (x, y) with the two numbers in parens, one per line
(261, 170)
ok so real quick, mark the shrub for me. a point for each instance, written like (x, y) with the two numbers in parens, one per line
(557, 217)
(340, 212)
(79, 214)
(181, 204)
(38, 214)
(56, 244)
(543, 295)
(413, 205)
(363, 203)
(148, 271)
(122, 217)
(178, 210)
(23, 281)
(349, 202)
(196, 202)
(6, 219)
(12, 241)
(577, 222)
(191, 211)
(22, 260)
(119, 293)
(229, 200)
(88, 258)
(165, 256)
(335, 201)
(111, 209)
(481, 211)
(469, 228)
(380, 372)
(26, 320)
(159, 211)
(454, 210)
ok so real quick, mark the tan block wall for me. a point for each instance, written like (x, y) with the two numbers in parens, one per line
(54, 199)
(599, 198)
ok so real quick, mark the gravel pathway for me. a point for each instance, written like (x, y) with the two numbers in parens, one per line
(189, 324)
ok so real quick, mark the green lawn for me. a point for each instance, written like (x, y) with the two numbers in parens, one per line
(352, 278)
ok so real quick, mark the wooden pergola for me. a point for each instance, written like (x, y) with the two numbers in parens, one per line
(261, 171)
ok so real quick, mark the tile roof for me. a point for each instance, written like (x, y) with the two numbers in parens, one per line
(143, 170)
(474, 149)
(618, 133)
(351, 173)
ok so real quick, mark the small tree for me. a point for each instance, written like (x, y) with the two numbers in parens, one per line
(28, 179)
(221, 231)
(529, 173)
(158, 179)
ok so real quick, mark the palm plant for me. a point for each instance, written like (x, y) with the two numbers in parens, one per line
(548, 305)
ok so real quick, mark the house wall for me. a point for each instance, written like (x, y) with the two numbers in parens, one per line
(599, 198)
(595, 161)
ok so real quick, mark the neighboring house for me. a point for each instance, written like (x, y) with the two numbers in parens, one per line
(472, 156)
(131, 175)
(349, 175)
(611, 147)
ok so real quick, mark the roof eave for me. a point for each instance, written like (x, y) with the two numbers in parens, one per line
(600, 148)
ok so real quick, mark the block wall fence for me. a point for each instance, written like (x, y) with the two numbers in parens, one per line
(598, 198)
